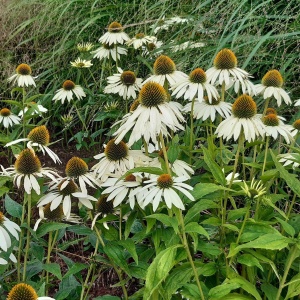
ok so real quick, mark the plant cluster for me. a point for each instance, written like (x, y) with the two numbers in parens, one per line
(193, 197)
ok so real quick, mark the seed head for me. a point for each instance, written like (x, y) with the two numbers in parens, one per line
(115, 152)
(225, 59)
(244, 107)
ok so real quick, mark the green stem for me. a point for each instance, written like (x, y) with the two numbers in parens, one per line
(293, 254)
(120, 224)
(266, 107)
(28, 235)
(253, 160)
(23, 108)
(163, 147)
(192, 131)
(291, 207)
(21, 241)
(48, 258)
(80, 118)
(266, 153)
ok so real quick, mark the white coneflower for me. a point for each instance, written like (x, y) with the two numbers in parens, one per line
(27, 167)
(245, 85)
(5, 262)
(77, 170)
(124, 83)
(225, 69)
(64, 192)
(166, 188)
(255, 190)
(7, 118)
(244, 120)
(153, 48)
(140, 39)
(38, 137)
(109, 51)
(84, 47)
(194, 86)
(271, 85)
(187, 45)
(23, 76)
(37, 109)
(117, 159)
(115, 35)
(152, 116)
(275, 128)
(209, 110)
(23, 291)
(68, 90)
(165, 70)
(81, 63)
(55, 215)
(6, 227)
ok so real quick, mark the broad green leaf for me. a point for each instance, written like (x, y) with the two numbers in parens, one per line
(206, 269)
(38, 251)
(13, 207)
(269, 174)
(249, 260)
(231, 227)
(138, 271)
(165, 219)
(236, 213)
(195, 227)
(209, 248)
(199, 206)
(266, 241)
(222, 290)
(130, 247)
(212, 221)
(159, 270)
(270, 291)
(213, 167)
(54, 269)
(286, 226)
(47, 227)
(116, 254)
(129, 223)
(107, 297)
(190, 291)
(234, 296)
(293, 287)
(77, 267)
(291, 179)
(203, 189)
(80, 229)
(173, 152)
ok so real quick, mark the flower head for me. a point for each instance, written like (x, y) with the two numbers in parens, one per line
(275, 127)
(225, 69)
(23, 76)
(7, 118)
(7, 227)
(165, 187)
(255, 190)
(209, 110)
(117, 159)
(84, 47)
(36, 109)
(23, 291)
(244, 120)
(194, 86)
(152, 48)
(81, 63)
(271, 85)
(69, 88)
(165, 70)
(124, 83)
(39, 138)
(140, 39)
(109, 51)
(114, 35)
(26, 170)
(152, 117)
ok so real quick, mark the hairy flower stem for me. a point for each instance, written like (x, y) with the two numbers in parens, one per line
(192, 131)
(293, 254)
(266, 154)
(119, 273)
(23, 109)
(80, 118)
(21, 242)
(179, 216)
(28, 234)
(266, 107)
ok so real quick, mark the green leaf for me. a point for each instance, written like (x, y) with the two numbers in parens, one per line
(270, 291)
(13, 207)
(116, 254)
(209, 248)
(195, 227)
(54, 269)
(199, 206)
(203, 189)
(249, 260)
(173, 152)
(231, 227)
(222, 290)
(38, 251)
(150, 170)
(246, 285)
(80, 229)
(291, 179)
(191, 291)
(293, 287)
(214, 167)
(165, 219)
(107, 297)
(77, 267)
(130, 247)
(266, 241)
(47, 227)
(159, 270)
(129, 223)
(138, 271)
(286, 226)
